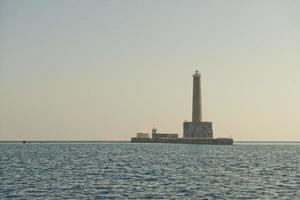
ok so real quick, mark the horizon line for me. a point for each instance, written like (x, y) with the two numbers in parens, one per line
(125, 141)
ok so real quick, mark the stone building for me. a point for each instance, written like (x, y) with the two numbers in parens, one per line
(156, 135)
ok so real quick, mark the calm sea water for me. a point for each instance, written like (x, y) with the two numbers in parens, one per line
(157, 171)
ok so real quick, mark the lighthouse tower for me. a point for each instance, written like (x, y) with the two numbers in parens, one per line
(197, 109)
(197, 128)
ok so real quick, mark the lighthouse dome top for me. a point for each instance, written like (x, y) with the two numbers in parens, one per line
(197, 74)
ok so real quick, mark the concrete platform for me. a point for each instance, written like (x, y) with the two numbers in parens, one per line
(215, 141)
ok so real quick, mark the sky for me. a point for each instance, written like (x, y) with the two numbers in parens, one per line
(104, 70)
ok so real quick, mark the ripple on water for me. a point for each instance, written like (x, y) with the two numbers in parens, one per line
(149, 171)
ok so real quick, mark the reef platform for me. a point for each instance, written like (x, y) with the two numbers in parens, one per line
(213, 141)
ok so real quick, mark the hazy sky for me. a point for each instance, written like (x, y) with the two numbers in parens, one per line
(103, 70)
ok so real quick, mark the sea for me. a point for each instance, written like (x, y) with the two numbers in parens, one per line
(122, 170)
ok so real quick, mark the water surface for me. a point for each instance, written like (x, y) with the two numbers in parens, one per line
(157, 171)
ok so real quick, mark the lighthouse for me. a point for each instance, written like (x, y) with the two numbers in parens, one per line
(197, 104)
(196, 131)
(197, 128)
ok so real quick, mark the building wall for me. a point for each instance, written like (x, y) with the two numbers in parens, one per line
(164, 135)
(142, 135)
(197, 130)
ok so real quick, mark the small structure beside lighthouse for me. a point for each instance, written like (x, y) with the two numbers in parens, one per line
(195, 132)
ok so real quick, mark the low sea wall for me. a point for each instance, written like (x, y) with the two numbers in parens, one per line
(216, 141)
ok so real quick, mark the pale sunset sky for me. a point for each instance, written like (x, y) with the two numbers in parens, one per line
(104, 70)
